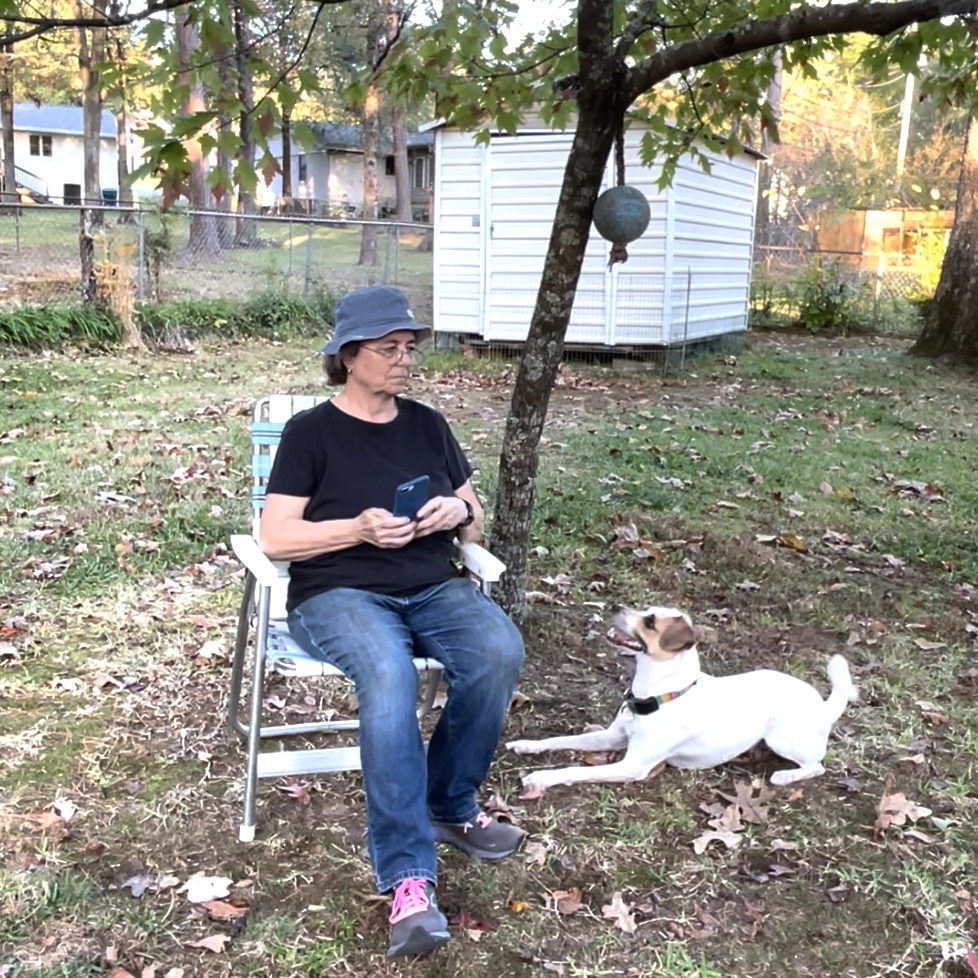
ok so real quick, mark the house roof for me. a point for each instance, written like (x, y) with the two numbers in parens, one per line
(60, 119)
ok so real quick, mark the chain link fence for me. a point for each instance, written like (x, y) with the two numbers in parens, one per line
(56, 255)
(881, 292)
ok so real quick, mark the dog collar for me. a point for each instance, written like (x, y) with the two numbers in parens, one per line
(652, 703)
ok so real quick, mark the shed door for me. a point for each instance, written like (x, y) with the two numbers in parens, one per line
(526, 172)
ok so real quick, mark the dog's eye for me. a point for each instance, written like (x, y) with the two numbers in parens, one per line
(650, 622)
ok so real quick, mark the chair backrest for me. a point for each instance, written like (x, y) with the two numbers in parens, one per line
(271, 413)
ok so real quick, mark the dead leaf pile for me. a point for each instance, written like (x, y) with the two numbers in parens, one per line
(746, 806)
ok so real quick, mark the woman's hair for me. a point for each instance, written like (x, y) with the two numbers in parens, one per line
(334, 364)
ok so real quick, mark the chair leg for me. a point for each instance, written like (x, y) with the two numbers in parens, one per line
(238, 661)
(431, 680)
(247, 831)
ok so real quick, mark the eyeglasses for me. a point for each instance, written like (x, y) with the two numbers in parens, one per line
(394, 353)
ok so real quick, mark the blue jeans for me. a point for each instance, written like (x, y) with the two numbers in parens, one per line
(371, 637)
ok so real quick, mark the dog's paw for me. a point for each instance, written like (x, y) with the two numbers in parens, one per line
(523, 746)
(532, 788)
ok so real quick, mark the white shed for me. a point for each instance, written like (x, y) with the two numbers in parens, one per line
(686, 279)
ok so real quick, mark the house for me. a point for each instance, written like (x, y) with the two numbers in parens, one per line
(687, 278)
(49, 152)
(327, 177)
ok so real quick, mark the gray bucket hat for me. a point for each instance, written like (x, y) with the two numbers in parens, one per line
(369, 314)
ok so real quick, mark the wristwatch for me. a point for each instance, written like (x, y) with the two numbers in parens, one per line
(469, 514)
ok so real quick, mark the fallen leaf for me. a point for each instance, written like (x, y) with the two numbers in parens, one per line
(621, 913)
(535, 853)
(730, 839)
(213, 942)
(519, 906)
(222, 910)
(567, 901)
(200, 888)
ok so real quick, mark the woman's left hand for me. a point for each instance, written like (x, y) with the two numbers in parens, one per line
(438, 514)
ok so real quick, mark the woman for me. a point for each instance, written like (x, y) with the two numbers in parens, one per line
(367, 587)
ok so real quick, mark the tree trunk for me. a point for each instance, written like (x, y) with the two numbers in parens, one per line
(91, 53)
(951, 330)
(402, 172)
(764, 212)
(542, 352)
(203, 232)
(9, 177)
(224, 201)
(287, 159)
(245, 230)
(371, 139)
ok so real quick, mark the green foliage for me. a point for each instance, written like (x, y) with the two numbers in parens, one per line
(831, 299)
(47, 327)
(269, 315)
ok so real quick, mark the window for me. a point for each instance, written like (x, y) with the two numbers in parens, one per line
(72, 193)
(40, 145)
(389, 166)
(421, 173)
(303, 170)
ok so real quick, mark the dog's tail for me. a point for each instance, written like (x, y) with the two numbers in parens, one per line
(843, 690)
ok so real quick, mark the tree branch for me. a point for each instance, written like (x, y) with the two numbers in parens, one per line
(878, 19)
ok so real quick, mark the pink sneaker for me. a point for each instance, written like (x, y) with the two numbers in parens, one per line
(417, 925)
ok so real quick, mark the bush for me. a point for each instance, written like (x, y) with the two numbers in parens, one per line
(830, 299)
(44, 327)
(269, 315)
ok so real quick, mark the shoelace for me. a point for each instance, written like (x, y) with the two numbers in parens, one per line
(410, 897)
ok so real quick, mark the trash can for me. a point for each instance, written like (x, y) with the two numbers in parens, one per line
(110, 197)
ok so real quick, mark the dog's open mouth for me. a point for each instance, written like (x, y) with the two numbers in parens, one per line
(622, 639)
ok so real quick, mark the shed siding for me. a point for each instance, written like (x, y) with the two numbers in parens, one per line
(688, 276)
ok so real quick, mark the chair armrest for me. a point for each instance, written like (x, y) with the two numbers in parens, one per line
(265, 571)
(480, 562)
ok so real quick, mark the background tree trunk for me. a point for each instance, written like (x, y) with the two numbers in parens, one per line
(9, 194)
(287, 159)
(951, 330)
(245, 230)
(203, 232)
(371, 138)
(402, 172)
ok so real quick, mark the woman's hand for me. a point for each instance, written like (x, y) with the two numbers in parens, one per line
(440, 513)
(379, 527)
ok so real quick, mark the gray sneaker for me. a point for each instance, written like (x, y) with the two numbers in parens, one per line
(417, 925)
(484, 837)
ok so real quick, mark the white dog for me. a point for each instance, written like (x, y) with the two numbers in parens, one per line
(683, 717)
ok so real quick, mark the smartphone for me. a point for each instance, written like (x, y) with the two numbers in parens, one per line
(409, 497)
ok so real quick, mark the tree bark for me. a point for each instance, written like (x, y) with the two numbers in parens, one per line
(402, 172)
(951, 330)
(371, 138)
(287, 159)
(602, 103)
(245, 229)
(9, 195)
(203, 233)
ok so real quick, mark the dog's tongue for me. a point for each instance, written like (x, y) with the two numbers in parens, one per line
(617, 637)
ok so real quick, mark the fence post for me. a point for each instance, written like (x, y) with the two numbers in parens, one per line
(140, 256)
(878, 291)
(308, 275)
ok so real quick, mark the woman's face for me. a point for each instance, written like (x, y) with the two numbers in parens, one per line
(384, 365)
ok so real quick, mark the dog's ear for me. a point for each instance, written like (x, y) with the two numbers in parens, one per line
(677, 636)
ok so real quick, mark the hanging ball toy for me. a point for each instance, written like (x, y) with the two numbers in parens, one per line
(621, 214)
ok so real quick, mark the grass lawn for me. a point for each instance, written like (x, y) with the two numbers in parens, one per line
(804, 497)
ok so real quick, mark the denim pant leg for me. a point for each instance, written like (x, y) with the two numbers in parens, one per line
(364, 635)
(482, 652)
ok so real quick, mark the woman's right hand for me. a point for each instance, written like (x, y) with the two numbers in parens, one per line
(380, 528)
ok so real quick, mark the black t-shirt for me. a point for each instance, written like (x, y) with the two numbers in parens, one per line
(345, 465)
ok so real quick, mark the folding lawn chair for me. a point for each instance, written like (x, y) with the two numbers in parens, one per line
(263, 643)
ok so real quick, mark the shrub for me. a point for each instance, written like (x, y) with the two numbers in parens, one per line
(830, 299)
(271, 315)
(43, 327)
